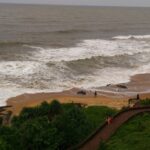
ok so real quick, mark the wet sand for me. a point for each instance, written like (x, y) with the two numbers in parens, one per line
(112, 95)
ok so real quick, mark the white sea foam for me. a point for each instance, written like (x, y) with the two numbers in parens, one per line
(7, 92)
(59, 77)
(132, 37)
(19, 68)
(100, 78)
(115, 75)
(91, 48)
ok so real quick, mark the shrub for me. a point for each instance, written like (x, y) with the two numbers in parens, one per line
(145, 102)
(54, 109)
(73, 126)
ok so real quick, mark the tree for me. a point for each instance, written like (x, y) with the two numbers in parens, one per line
(55, 109)
(38, 134)
(44, 108)
(9, 139)
(3, 145)
(73, 126)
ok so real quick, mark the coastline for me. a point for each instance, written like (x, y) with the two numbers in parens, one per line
(112, 95)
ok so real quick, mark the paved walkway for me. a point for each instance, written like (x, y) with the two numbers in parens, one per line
(106, 131)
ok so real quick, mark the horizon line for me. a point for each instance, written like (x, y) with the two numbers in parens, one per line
(74, 5)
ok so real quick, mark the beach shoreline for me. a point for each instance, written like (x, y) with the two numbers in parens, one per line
(111, 95)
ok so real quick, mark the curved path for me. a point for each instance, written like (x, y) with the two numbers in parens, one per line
(105, 131)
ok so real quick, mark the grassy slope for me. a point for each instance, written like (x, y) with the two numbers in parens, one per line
(97, 114)
(134, 135)
(145, 102)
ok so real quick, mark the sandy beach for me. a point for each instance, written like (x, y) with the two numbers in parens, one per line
(112, 95)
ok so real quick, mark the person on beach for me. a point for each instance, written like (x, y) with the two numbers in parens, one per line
(95, 93)
(138, 97)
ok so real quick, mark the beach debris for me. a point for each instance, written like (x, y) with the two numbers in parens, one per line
(81, 92)
(121, 86)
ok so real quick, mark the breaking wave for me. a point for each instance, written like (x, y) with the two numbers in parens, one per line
(91, 48)
(90, 64)
(132, 37)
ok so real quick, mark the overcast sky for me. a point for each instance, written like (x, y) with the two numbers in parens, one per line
(86, 2)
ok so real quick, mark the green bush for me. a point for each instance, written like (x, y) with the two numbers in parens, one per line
(98, 114)
(74, 126)
(52, 126)
(9, 139)
(38, 134)
(145, 102)
(54, 109)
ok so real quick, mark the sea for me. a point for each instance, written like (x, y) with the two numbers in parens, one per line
(47, 48)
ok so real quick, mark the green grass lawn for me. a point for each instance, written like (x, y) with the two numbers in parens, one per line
(98, 114)
(134, 135)
(145, 102)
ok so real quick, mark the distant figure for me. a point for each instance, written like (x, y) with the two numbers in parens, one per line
(95, 94)
(109, 120)
(138, 97)
(108, 85)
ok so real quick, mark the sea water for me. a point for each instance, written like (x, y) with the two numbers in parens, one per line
(54, 48)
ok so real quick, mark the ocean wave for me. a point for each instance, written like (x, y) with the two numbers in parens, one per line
(19, 68)
(71, 31)
(99, 62)
(91, 64)
(132, 37)
(91, 48)
(11, 43)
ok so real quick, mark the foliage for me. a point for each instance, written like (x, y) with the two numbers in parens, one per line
(38, 134)
(51, 126)
(145, 102)
(98, 114)
(9, 139)
(102, 145)
(45, 109)
(54, 109)
(74, 126)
